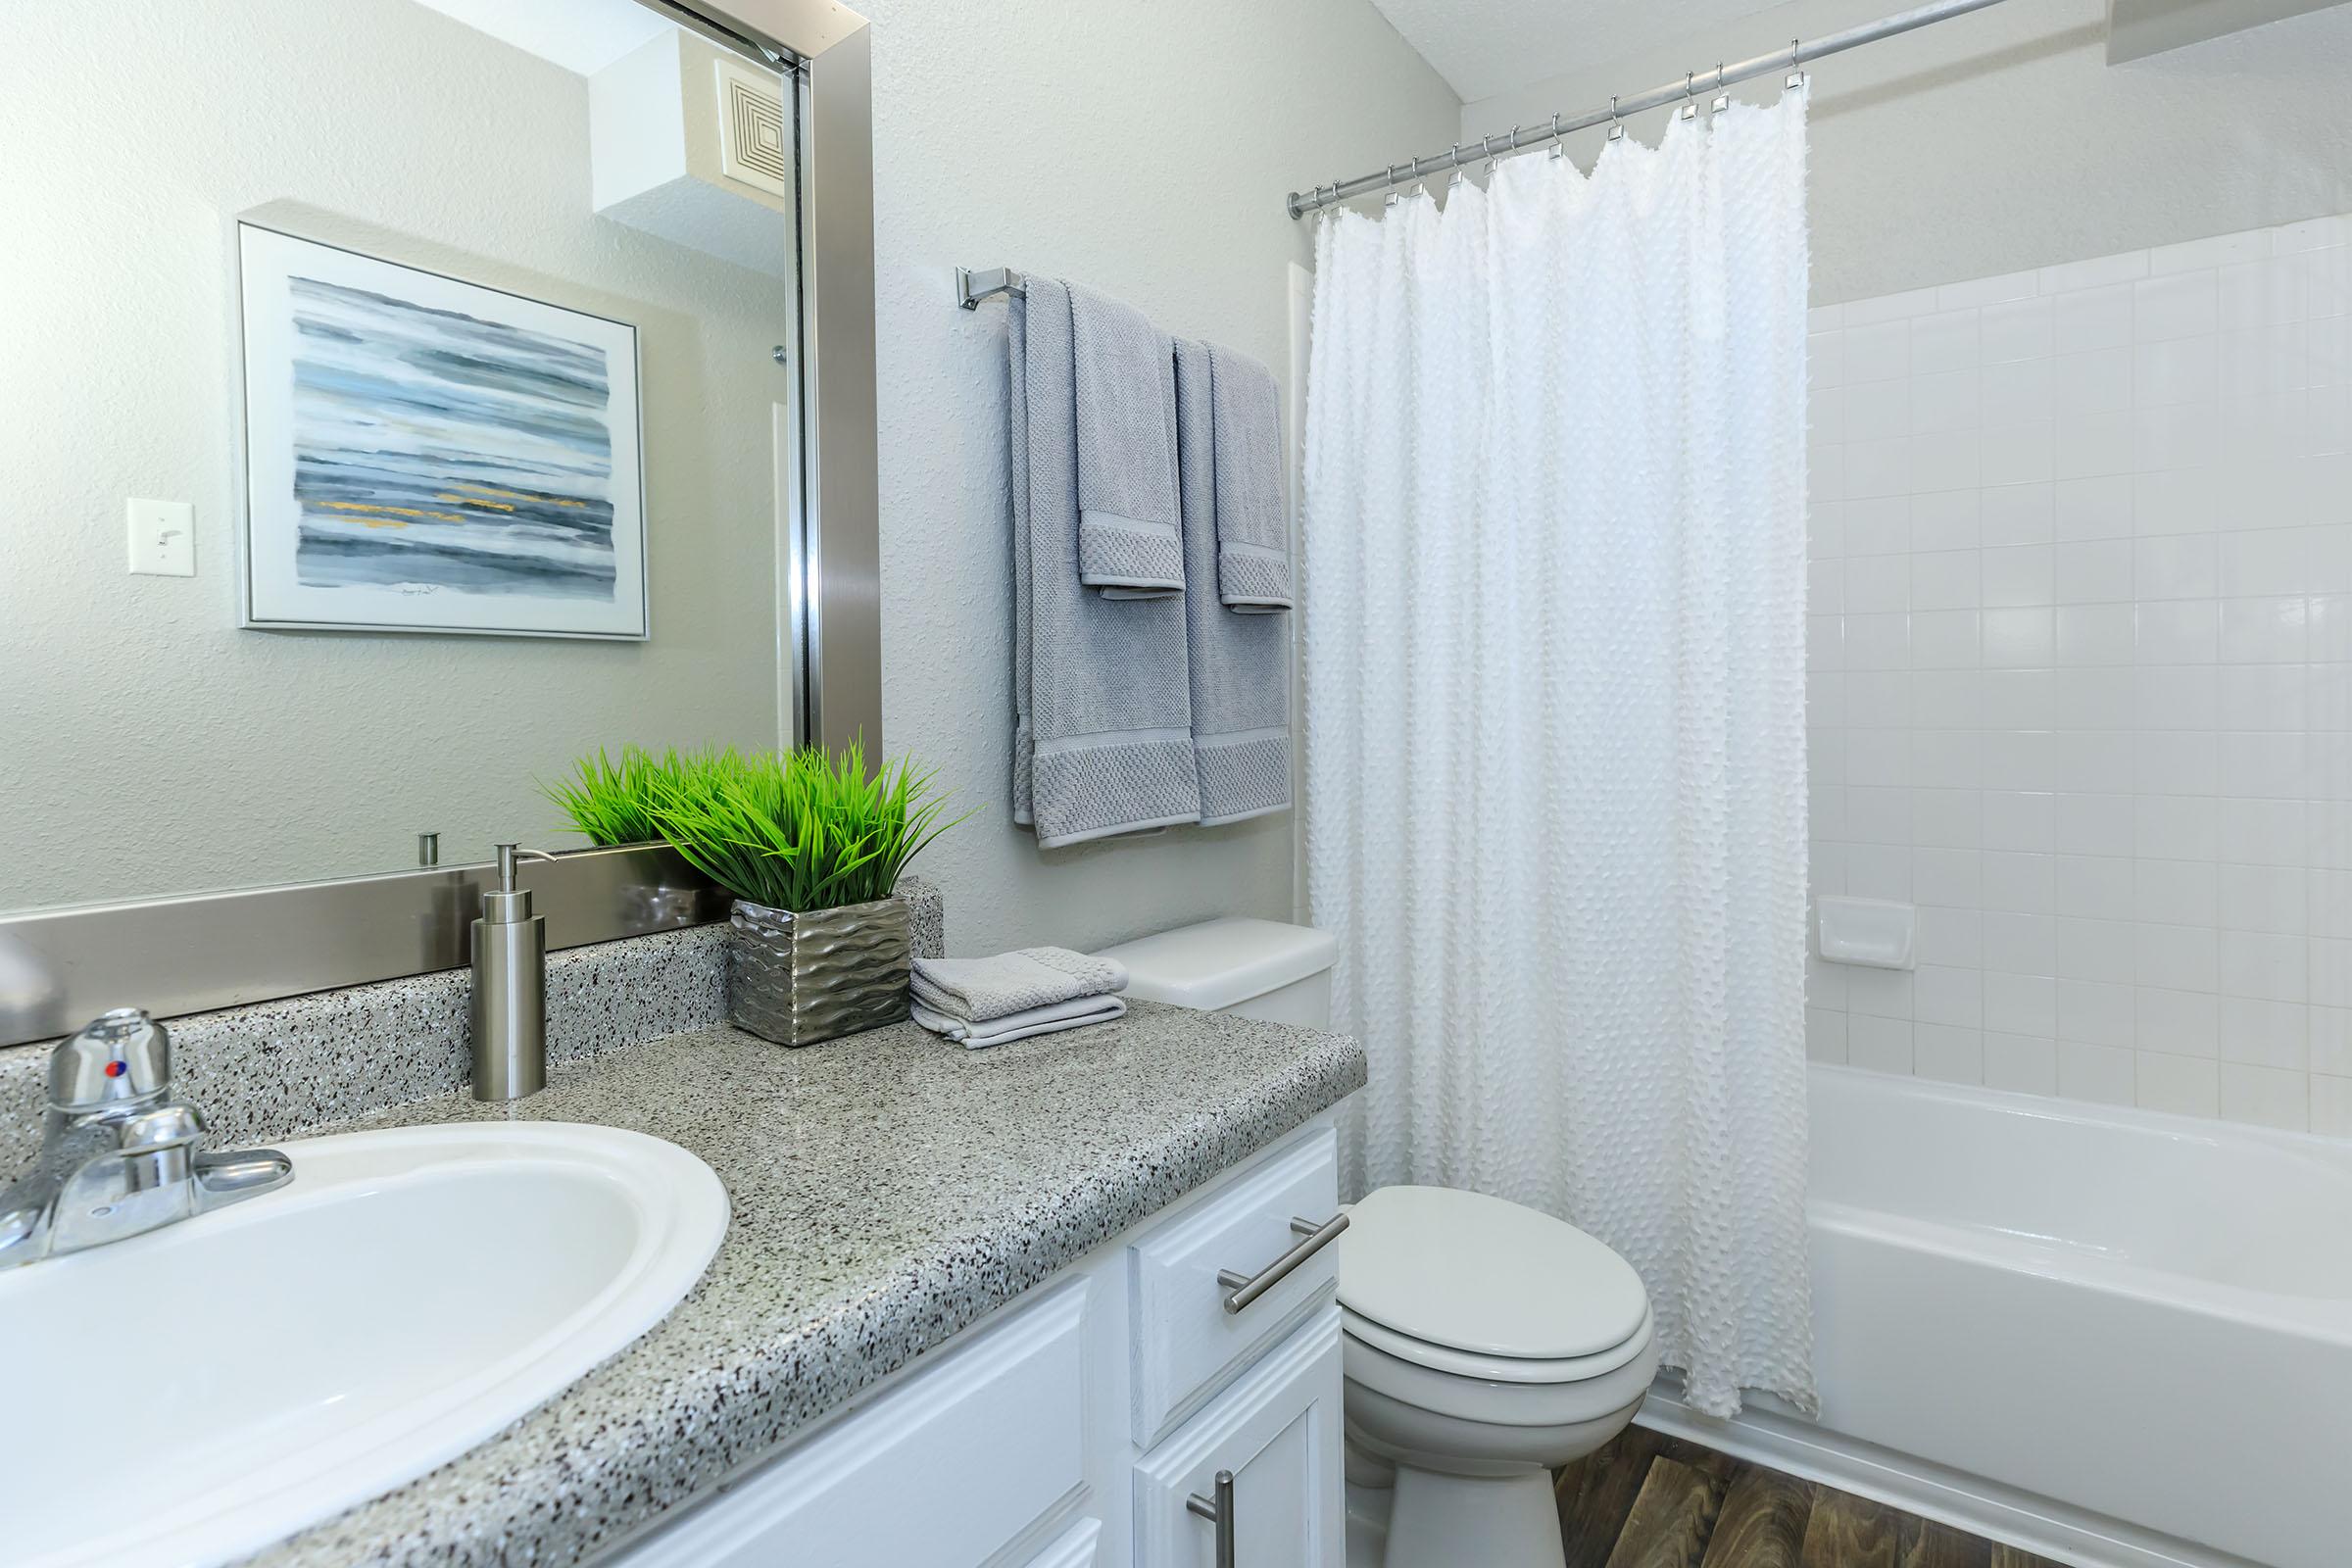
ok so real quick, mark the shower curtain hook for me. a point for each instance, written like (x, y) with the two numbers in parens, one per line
(1689, 108)
(1557, 148)
(1616, 126)
(1456, 159)
(1723, 100)
(1796, 77)
(1394, 183)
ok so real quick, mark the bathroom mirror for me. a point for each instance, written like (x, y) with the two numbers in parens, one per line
(399, 403)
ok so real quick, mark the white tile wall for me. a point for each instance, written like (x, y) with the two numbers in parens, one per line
(2081, 675)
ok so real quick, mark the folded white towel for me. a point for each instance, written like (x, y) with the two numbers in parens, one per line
(1075, 1013)
(977, 989)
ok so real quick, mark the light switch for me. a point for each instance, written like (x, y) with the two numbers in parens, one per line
(163, 538)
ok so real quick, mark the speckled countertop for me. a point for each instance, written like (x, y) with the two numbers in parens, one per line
(888, 1191)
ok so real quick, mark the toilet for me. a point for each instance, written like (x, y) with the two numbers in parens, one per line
(1483, 1343)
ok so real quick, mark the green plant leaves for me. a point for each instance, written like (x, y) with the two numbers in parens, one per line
(795, 830)
(607, 800)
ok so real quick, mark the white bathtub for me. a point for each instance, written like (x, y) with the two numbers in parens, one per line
(2109, 1335)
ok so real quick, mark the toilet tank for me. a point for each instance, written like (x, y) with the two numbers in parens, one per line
(1250, 969)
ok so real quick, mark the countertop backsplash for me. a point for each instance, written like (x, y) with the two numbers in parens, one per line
(271, 1068)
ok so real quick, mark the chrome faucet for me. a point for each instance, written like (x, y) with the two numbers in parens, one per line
(117, 1155)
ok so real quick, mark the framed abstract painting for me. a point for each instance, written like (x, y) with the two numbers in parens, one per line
(428, 455)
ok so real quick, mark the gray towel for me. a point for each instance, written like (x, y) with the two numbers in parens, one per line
(976, 990)
(1127, 531)
(1102, 734)
(1052, 1019)
(1253, 530)
(1239, 664)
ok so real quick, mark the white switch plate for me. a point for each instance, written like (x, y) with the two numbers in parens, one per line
(163, 538)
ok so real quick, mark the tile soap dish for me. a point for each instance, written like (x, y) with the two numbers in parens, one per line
(1875, 933)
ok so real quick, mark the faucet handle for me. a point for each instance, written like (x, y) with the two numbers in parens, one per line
(121, 1057)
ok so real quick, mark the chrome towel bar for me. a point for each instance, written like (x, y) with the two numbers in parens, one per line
(972, 286)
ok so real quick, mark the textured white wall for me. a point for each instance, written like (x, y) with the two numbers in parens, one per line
(1145, 149)
(2004, 141)
(148, 745)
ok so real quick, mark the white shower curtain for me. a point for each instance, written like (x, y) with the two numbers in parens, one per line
(1556, 775)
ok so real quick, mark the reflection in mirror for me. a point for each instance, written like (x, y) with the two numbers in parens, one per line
(396, 407)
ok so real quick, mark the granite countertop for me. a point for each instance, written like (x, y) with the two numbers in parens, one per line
(888, 1190)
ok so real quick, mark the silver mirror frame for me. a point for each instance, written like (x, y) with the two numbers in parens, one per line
(191, 953)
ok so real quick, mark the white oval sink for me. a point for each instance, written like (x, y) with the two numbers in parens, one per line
(194, 1393)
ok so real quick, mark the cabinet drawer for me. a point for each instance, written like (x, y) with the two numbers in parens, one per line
(1186, 1345)
(946, 1471)
(1278, 1430)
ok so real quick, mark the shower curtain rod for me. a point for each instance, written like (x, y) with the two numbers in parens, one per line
(1691, 86)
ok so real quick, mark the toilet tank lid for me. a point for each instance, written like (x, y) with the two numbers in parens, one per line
(1222, 963)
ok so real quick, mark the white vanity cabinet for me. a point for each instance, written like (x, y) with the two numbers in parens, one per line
(1278, 1432)
(1072, 1428)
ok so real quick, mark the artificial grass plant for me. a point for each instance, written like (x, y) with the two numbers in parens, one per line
(609, 802)
(796, 830)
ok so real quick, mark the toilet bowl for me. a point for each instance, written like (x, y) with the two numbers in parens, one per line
(1483, 1343)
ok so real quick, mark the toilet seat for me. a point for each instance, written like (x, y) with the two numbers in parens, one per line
(1495, 1368)
(1487, 1417)
(1461, 1281)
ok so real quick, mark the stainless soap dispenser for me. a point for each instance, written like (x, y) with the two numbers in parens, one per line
(510, 988)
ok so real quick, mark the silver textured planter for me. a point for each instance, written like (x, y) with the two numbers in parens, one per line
(800, 978)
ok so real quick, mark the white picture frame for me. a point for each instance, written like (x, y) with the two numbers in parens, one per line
(428, 455)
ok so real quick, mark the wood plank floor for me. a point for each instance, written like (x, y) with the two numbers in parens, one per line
(1653, 1501)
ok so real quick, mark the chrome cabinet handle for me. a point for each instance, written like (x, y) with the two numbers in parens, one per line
(1218, 1511)
(1247, 1289)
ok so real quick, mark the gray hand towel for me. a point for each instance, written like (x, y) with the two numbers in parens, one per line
(1253, 530)
(976, 990)
(1240, 665)
(1127, 531)
(1102, 733)
(1052, 1019)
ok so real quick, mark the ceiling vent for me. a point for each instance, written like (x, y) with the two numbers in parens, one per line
(714, 171)
(752, 144)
